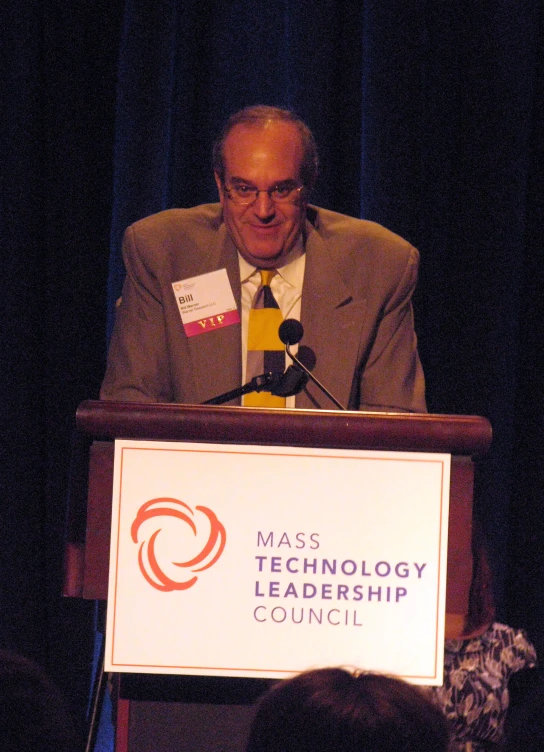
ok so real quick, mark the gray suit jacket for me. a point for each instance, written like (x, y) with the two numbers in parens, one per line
(356, 312)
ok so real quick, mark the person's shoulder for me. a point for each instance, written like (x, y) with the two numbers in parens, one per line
(353, 243)
(171, 235)
(203, 218)
(335, 227)
(512, 637)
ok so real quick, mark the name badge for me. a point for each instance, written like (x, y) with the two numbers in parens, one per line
(206, 302)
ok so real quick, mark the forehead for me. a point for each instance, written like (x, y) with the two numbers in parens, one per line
(271, 151)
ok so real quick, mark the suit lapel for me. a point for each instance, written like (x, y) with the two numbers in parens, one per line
(216, 356)
(332, 320)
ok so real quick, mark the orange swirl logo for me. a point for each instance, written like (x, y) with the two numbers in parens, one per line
(156, 554)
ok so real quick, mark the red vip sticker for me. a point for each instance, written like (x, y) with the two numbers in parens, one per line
(166, 512)
(211, 323)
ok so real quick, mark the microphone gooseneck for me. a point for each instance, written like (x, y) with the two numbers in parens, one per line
(290, 332)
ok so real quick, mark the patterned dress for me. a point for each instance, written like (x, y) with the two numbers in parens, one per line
(474, 695)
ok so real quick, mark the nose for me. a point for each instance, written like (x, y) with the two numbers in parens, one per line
(264, 207)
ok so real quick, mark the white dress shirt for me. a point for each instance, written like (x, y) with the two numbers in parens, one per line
(286, 287)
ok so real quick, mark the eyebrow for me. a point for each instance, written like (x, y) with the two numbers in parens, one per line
(241, 180)
(285, 181)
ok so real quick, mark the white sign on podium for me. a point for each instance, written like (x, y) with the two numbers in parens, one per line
(263, 561)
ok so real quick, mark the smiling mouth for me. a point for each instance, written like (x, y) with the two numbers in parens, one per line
(261, 228)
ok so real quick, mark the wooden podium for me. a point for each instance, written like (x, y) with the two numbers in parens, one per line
(202, 713)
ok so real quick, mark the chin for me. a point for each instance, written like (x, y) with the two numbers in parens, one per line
(264, 260)
(268, 263)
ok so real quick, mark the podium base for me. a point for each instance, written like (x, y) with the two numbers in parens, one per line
(167, 713)
(183, 727)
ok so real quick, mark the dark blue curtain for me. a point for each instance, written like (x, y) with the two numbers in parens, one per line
(185, 66)
(426, 117)
(57, 104)
(429, 118)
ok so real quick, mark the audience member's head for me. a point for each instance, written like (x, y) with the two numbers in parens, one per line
(32, 713)
(333, 710)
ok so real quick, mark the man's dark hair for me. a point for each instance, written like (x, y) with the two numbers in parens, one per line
(333, 710)
(259, 115)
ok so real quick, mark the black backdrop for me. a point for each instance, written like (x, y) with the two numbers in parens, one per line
(429, 118)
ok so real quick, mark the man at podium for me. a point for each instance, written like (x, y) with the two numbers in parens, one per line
(202, 281)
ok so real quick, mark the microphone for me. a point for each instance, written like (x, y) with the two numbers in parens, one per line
(289, 383)
(290, 332)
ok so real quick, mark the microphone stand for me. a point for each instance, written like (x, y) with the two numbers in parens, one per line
(286, 384)
(257, 384)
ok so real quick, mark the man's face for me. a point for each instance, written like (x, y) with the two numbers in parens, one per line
(261, 157)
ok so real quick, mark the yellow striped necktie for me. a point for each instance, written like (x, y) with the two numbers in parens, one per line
(265, 350)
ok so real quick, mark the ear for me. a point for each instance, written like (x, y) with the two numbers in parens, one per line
(219, 185)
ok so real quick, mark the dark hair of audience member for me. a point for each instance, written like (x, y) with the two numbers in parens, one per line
(33, 717)
(334, 710)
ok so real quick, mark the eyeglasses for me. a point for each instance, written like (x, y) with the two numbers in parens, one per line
(282, 193)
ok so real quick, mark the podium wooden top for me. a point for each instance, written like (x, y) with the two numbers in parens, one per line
(418, 432)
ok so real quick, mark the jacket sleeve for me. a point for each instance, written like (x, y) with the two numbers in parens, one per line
(392, 377)
(137, 368)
